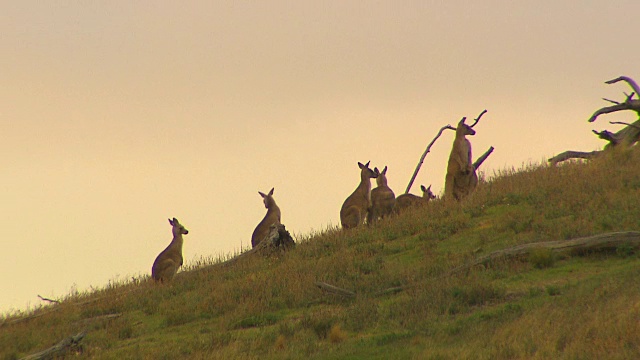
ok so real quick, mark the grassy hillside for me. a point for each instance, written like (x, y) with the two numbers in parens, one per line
(541, 306)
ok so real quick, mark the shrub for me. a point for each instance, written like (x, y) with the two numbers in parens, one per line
(542, 258)
(336, 335)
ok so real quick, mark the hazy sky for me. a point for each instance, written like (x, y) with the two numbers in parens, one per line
(118, 115)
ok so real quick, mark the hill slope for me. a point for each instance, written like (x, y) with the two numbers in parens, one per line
(541, 306)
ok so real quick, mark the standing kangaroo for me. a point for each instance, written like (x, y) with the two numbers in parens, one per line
(356, 207)
(272, 217)
(170, 259)
(408, 200)
(461, 178)
(382, 198)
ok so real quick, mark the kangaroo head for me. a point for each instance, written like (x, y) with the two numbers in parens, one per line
(464, 129)
(426, 192)
(381, 178)
(177, 229)
(267, 198)
(366, 173)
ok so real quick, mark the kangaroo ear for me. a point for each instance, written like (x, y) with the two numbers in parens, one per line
(462, 121)
(360, 165)
(262, 194)
(367, 164)
(429, 188)
(384, 172)
(271, 192)
(424, 189)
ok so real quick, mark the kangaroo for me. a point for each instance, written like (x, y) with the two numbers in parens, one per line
(356, 207)
(170, 259)
(408, 200)
(461, 178)
(382, 198)
(272, 217)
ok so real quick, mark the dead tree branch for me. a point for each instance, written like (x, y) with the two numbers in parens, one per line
(624, 123)
(625, 137)
(478, 118)
(574, 155)
(628, 104)
(49, 300)
(482, 158)
(629, 81)
(68, 344)
(428, 149)
(609, 109)
(609, 136)
(424, 154)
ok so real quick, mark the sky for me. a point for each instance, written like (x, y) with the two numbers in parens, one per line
(118, 115)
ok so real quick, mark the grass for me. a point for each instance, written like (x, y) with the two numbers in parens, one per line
(543, 306)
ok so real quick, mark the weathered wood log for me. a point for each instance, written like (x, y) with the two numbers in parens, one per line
(601, 242)
(71, 343)
(334, 289)
(574, 155)
(100, 318)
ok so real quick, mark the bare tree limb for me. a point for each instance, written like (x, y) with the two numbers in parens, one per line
(609, 136)
(482, 158)
(609, 109)
(611, 101)
(624, 123)
(629, 81)
(48, 300)
(478, 118)
(629, 96)
(628, 104)
(428, 149)
(574, 155)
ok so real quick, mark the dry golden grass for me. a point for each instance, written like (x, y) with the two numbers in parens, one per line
(336, 335)
(254, 307)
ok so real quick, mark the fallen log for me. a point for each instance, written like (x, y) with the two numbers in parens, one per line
(334, 289)
(601, 242)
(72, 343)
